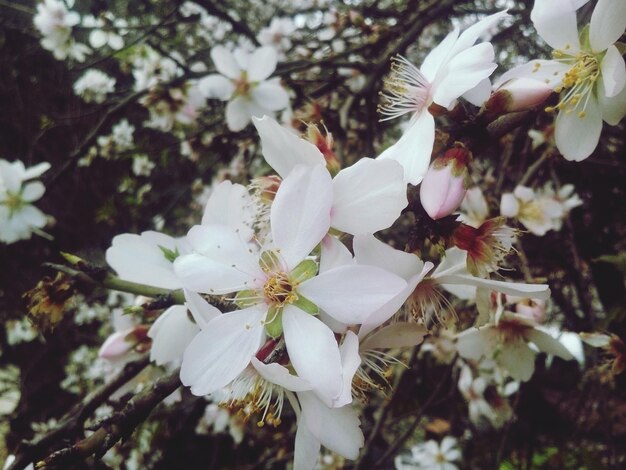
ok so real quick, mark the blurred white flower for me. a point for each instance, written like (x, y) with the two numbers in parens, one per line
(94, 85)
(431, 456)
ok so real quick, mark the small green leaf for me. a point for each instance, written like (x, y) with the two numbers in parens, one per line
(170, 255)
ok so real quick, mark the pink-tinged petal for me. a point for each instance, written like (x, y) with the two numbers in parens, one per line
(116, 345)
(368, 196)
(201, 311)
(530, 291)
(271, 95)
(307, 447)
(607, 24)
(300, 213)
(387, 311)
(475, 343)
(279, 375)
(314, 353)
(613, 109)
(370, 251)
(351, 293)
(225, 62)
(33, 191)
(518, 359)
(338, 429)
(238, 114)
(441, 191)
(216, 86)
(577, 137)
(464, 72)
(334, 254)
(398, 335)
(474, 32)
(262, 63)
(549, 72)
(222, 351)
(230, 204)
(613, 70)
(139, 258)
(283, 150)
(555, 21)
(171, 333)
(547, 344)
(350, 362)
(414, 149)
(437, 58)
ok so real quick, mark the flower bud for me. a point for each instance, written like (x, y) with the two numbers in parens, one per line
(517, 95)
(325, 145)
(121, 342)
(443, 187)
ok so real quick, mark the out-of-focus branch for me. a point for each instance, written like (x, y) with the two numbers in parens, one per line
(119, 426)
(73, 420)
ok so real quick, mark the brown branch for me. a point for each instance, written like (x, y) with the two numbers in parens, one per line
(74, 419)
(119, 426)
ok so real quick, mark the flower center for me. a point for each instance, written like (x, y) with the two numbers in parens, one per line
(577, 84)
(279, 290)
(406, 90)
(511, 331)
(242, 86)
(13, 201)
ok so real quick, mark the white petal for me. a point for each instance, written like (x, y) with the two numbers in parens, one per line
(283, 150)
(555, 21)
(300, 213)
(303, 334)
(225, 62)
(368, 196)
(231, 205)
(576, 137)
(480, 93)
(262, 63)
(414, 149)
(97, 38)
(200, 273)
(531, 291)
(139, 258)
(471, 34)
(464, 72)
(548, 344)
(607, 24)
(613, 72)
(613, 109)
(33, 191)
(171, 333)
(279, 375)
(351, 293)
(202, 311)
(368, 250)
(509, 205)
(238, 114)
(336, 428)
(518, 359)
(222, 351)
(216, 86)
(398, 335)
(436, 59)
(116, 42)
(307, 447)
(35, 170)
(271, 95)
(334, 254)
(350, 362)
(550, 72)
(475, 343)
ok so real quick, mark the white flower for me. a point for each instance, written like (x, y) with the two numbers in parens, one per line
(55, 23)
(94, 85)
(277, 34)
(150, 69)
(243, 82)
(451, 70)
(105, 34)
(279, 287)
(18, 217)
(122, 135)
(431, 456)
(142, 166)
(474, 209)
(588, 71)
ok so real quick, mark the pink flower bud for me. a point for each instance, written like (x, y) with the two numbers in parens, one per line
(122, 342)
(517, 95)
(443, 187)
(535, 309)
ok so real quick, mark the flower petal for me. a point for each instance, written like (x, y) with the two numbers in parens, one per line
(518, 359)
(577, 137)
(613, 109)
(231, 205)
(307, 447)
(171, 333)
(262, 63)
(334, 254)
(351, 293)
(613, 72)
(33, 191)
(300, 213)
(350, 362)
(548, 344)
(238, 114)
(370, 251)
(555, 21)
(414, 149)
(222, 351)
(471, 34)
(225, 62)
(437, 58)
(216, 86)
(607, 24)
(304, 334)
(283, 150)
(549, 72)
(271, 95)
(279, 375)
(531, 291)
(398, 335)
(202, 311)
